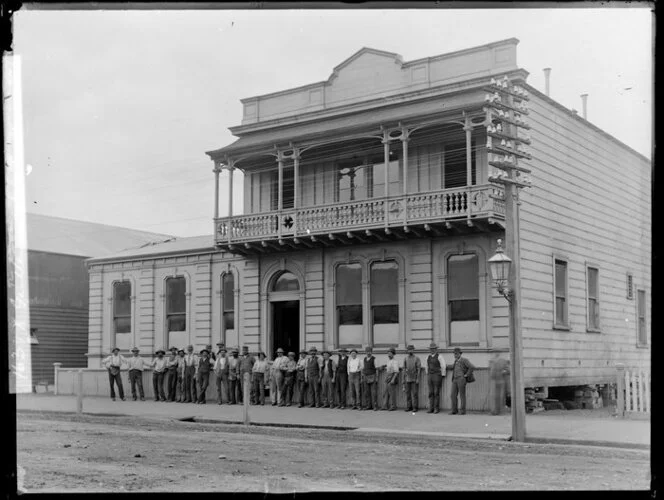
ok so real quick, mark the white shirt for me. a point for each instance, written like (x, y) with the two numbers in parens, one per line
(392, 366)
(190, 359)
(279, 363)
(220, 363)
(354, 365)
(137, 363)
(441, 360)
(159, 365)
(114, 360)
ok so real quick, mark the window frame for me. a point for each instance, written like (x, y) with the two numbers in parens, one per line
(567, 325)
(593, 328)
(629, 284)
(224, 311)
(641, 342)
(114, 314)
(448, 301)
(167, 314)
(473, 163)
(372, 340)
(337, 323)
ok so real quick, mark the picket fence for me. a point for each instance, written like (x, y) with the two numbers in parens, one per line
(633, 391)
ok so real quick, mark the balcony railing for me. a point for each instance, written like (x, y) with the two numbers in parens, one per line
(476, 202)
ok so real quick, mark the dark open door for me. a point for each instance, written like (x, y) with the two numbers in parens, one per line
(285, 327)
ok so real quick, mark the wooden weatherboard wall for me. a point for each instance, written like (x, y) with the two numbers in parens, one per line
(590, 204)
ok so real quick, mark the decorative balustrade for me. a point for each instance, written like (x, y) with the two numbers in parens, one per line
(476, 201)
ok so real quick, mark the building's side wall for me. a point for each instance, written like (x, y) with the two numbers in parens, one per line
(590, 204)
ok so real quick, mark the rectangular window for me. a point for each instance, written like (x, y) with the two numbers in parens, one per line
(385, 302)
(176, 308)
(348, 284)
(288, 187)
(455, 165)
(463, 299)
(394, 176)
(593, 298)
(641, 312)
(122, 307)
(560, 285)
(228, 285)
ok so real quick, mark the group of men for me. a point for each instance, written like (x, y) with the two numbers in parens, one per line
(321, 381)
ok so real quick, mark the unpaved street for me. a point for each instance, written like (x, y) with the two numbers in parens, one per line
(59, 452)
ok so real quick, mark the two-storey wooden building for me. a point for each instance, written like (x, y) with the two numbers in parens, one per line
(369, 218)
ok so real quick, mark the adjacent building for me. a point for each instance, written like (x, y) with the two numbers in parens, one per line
(369, 217)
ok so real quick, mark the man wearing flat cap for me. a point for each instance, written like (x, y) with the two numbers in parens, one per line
(136, 366)
(461, 370)
(289, 380)
(203, 369)
(114, 364)
(370, 380)
(354, 379)
(435, 369)
(159, 366)
(300, 378)
(221, 374)
(312, 377)
(411, 380)
(391, 381)
(341, 378)
(190, 362)
(277, 376)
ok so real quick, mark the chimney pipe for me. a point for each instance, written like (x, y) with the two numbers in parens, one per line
(584, 100)
(547, 74)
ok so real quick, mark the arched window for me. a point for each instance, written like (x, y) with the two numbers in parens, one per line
(286, 282)
(228, 305)
(385, 302)
(463, 299)
(348, 284)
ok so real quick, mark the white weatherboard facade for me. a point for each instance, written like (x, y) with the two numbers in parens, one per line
(328, 254)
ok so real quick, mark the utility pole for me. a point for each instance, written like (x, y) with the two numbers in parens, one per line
(505, 106)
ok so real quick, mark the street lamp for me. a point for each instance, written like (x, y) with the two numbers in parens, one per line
(500, 265)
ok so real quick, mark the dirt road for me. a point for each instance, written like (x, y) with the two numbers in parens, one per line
(58, 452)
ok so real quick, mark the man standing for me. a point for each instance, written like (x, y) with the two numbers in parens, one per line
(435, 372)
(341, 377)
(327, 380)
(221, 374)
(234, 377)
(136, 366)
(258, 372)
(354, 376)
(246, 365)
(113, 364)
(312, 377)
(391, 381)
(370, 380)
(461, 370)
(203, 369)
(159, 366)
(181, 375)
(172, 375)
(212, 357)
(301, 378)
(498, 371)
(190, 362)
(289, 380)
(277, 376)
(411, 368)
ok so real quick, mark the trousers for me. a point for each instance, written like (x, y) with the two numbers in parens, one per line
(302, 391)
(435, 383)
(371, 395)
(276, 384)
(314, 390)
(221, 380)
(259, 388)
(181, 386)
(234, 389)
(497, 396)
(158, 385)
(327, 394)
(390, 396)
(171, 383)
(340, 386)
(117, 380)
(136, 379)
(203, 382)
(411, 395)
(189, 384)
(354, 385)
(287, 389)
(458, 389)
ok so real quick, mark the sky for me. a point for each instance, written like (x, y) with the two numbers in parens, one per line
(119, 107)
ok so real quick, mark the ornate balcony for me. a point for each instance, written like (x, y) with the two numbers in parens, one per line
(435, 213)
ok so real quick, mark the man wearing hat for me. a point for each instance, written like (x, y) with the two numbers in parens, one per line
(234, 377)
(327, 380)
(113, 364)
(341, 378)
(289, 380)
(354, 376)
(159, 366)
(172, 374)
(411, 380)
(246, 365)
(312, 377)
(370, 380)
(136, 366)
(258, 372)
(181, 376)
(461, 370)
(277, 376)
(203, 369)
(221, 373)
(301, 378)
(190, 363)
(435, 369)
(213, 358)
(391, 381)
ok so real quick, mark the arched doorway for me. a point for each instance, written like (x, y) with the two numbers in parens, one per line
(284, 301)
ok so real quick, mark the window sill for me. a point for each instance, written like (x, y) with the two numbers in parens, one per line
(593, 330)
(562, 327)
(642, 346)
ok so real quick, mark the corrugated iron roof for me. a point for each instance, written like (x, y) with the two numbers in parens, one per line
(86, 239)
(170, 246)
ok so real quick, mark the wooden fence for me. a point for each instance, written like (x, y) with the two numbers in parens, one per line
(633, 391)
(96, 383)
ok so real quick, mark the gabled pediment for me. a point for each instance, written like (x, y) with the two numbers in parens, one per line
(367, 55)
